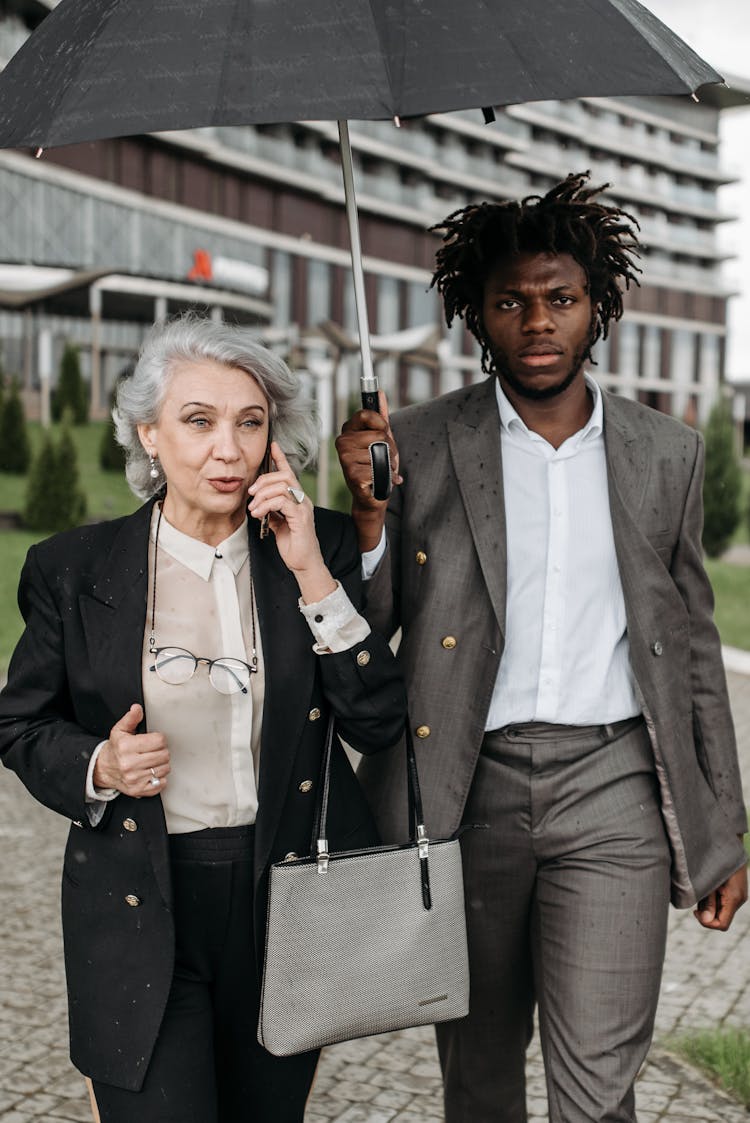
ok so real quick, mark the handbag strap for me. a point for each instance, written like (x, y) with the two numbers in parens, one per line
(417, 832)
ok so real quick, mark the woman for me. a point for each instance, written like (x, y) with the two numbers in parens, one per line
(169, 696)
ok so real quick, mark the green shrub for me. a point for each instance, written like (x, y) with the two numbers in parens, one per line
(54, 499)
(15, 449)
(721, 488)
(71, 393)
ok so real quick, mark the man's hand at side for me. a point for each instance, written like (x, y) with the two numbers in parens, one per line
(718, 908)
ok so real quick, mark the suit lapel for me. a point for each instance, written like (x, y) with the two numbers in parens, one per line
(629, 460)
(474, 441)
(114, 617)
(289, 672)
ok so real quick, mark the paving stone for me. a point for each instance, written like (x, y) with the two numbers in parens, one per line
(391, 1078)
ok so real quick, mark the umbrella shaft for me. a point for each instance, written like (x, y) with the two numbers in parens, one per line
(369, 381)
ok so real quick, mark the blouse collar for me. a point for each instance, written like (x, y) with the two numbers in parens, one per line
(199, 556)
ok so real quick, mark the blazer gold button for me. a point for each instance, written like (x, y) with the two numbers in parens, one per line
(130, 824)
(657, 648)
(132, 900)
(314, 714)
(363, 658)
(421, 557)
(306, 786)
(449, 642)
(422, 731)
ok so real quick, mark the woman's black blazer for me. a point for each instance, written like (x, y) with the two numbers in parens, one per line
(76, 671)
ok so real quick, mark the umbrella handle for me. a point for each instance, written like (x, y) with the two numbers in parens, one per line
(380, 454)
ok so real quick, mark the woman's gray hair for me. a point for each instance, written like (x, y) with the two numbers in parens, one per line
(194, 338)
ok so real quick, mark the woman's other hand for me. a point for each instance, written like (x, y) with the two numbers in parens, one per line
(293, 524)
(134, 763)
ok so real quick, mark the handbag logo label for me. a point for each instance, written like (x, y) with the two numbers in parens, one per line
(430, 1001)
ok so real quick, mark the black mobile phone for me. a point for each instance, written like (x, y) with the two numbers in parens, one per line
(266, 466)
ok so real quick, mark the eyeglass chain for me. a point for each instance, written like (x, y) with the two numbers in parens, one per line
(152, 636)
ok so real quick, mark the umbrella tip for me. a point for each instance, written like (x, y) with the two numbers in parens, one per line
(397, 121)
(695, 97)
(39, 152)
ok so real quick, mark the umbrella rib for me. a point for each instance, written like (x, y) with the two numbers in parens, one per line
(386, 55)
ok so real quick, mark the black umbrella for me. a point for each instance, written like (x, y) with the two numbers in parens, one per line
(102, 68)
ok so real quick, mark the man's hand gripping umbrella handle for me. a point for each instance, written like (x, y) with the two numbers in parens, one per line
(380, 455)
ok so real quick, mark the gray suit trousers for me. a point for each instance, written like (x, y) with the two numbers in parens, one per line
(567, 898)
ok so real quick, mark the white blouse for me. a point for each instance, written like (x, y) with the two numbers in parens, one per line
(203, 604)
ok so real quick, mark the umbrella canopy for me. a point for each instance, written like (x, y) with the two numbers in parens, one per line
(102, 68)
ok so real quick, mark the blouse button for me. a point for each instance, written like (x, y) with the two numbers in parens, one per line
(363, 658)
(423, 731)
(318, 618)
(314, 714)
(130, 824)
(421, 557)
(306, 786)
(132, 900)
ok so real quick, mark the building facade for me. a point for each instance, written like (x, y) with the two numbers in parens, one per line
(98, 240)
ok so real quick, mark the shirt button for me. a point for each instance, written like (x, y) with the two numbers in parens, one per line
(130, 824)
(132, 900)
(306, 786)
(657, 648)
(422, 731)
(363, 658)
(421, 557)
(449, 642)
(314, 714)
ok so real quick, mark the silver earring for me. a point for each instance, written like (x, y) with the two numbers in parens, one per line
(153, 471)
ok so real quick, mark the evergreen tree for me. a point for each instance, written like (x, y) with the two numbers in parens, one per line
(54, 499)
(72, 392)
(721, 487)
(15, 450)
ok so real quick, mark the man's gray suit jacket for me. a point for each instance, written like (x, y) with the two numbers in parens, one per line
(444, 575)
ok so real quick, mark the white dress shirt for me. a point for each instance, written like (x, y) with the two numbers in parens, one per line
(203, 604)
(566, 655)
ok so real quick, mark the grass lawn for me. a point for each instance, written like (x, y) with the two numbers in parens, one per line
(724, 1055)
(731, 585)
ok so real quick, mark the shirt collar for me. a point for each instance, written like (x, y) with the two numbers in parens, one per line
(510, 420)
(196, 555)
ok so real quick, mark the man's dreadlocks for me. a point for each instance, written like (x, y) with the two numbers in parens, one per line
(601, 239)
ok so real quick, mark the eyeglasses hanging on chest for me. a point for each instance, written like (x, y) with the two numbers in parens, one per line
(176, 665)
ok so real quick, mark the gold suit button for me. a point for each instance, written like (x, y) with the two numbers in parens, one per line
(306, 786)
(314, 714)
(421, 557)
(422, 731)
(363, 658)
(657, 648)
(449, 642)
(132, 900)
(130, 824)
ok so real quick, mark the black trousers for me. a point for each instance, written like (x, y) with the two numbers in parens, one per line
(207, 1066)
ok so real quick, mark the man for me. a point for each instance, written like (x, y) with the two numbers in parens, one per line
(541, 553)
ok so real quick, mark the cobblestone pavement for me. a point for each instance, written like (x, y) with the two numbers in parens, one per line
(389, 1079)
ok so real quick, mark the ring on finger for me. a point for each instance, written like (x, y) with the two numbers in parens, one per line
(296, 493)
(154, 781)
